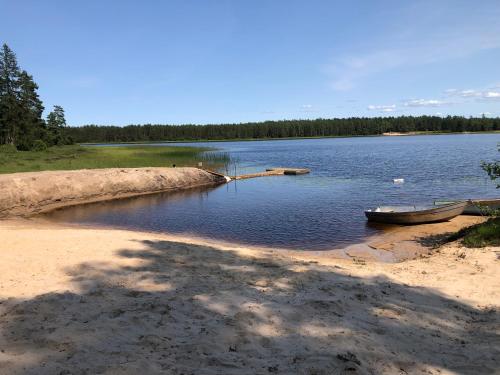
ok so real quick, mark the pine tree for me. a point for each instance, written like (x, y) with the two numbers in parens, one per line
(20, 106)
(31, 125)
(9, 90)
(56, 123)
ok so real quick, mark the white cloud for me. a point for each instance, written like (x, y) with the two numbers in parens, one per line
(346, 72)
(308, 108)
(478, 94)
(437, 37)
(485, 114)
(468, 93)
(382, 108)
(425, 103)
(462, 93)
(491, 95)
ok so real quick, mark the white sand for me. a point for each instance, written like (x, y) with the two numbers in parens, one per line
(83, 301)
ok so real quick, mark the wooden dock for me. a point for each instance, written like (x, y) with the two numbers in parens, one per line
(273, 172)
(268, 172)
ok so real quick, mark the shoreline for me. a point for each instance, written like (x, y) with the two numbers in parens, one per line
(282, 139)
(121, 301)
(87, 299)
(31, 193)
(373, 250)
(34, 194)
(394, 244)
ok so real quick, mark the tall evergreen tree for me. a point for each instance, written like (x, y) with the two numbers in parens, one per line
(31, 125)
(56, 122)
(20, 106)
(9, 90)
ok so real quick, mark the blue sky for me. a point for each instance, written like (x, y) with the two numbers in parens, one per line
(123, 62)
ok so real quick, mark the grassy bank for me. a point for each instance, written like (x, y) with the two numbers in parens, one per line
(485, 234)
(479, 235)
(79, 157)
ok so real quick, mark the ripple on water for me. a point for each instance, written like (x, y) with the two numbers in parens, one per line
(318, 211)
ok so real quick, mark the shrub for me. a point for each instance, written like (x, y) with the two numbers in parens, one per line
(8, 149)
(39, 145)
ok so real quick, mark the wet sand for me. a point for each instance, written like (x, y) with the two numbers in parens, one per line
(81, 300)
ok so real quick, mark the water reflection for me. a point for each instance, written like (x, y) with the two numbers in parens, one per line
(321, 210)
(126, 206)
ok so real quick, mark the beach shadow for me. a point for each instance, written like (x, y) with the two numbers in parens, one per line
(433, 241)
(185, 309)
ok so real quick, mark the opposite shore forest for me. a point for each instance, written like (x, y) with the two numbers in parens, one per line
(22, 125)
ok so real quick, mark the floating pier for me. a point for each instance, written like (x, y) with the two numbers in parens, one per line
(273, 172)
(268, 172)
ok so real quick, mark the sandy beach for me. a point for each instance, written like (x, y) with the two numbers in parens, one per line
(108, 301)
(249, 187)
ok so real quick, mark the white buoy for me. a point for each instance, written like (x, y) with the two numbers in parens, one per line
(398, 180)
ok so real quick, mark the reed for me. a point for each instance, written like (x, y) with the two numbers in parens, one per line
(92, 157)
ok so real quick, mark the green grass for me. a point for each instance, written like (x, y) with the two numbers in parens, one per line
(79, 157)
(479, 235)
(485, 234)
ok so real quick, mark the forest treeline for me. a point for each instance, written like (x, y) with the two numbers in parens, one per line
(21, 124)
(357, 126)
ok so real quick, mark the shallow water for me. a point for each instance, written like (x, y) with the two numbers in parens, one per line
(321, 210)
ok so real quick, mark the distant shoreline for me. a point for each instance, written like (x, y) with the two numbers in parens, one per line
(387, 134)
(397, 134)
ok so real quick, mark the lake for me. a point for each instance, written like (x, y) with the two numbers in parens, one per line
(319, 211)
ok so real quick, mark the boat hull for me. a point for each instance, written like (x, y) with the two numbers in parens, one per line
(431, 215)
(473, 208)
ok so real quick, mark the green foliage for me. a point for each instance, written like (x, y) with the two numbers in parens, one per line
(30, 124)
(21, 109)
(39, 145)
(478, 235)
(9, 91)
(56, 123)
(282, 129)
(493, 170)
(55, 119)
(485, 234)
(487, 211)
(78, 157)
(488, 233)
(8, 149)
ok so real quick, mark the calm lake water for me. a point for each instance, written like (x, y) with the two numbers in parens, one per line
(321, 210)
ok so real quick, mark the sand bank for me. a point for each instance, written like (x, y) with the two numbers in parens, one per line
(394, 134)
(76, 300)
(23, 194)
